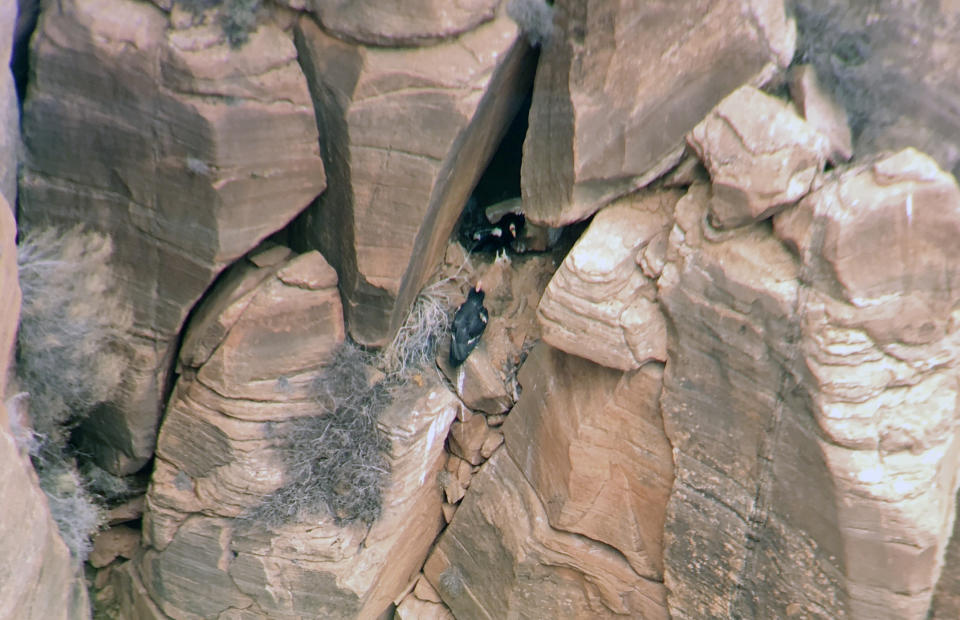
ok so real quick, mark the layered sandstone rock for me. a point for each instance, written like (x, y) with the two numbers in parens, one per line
(761, 156)
(38, 580)
(600, 304)
(199, 152)
(810, 398)
(500, 558)
(567, 521)
(590, 441)
(249, 358)
(398, 24)
(406, 135)
(621, 83)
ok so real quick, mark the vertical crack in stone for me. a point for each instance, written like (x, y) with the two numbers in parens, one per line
(741, 598)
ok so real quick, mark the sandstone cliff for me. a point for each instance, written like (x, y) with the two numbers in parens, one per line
(718, 375)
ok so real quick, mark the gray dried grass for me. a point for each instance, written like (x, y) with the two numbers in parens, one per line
(67, 363)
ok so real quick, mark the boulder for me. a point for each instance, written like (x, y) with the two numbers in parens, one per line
(761, 156)
(176, 165)
(454, 101)
(39, 580)
(250, 356)
(810, 402)
(396, 24)
(600, 304)
(620, 84)
(500, 558)
(590, 441)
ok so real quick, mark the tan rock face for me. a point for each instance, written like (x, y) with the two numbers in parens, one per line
(814, 427)
(499, 558)
(248, 359)
(38, 580)
(884, 231)
(621, 83)
(761, 156)
(399, 24)
(177, 165)
(590, 440)
(422, 122)
(600, 304)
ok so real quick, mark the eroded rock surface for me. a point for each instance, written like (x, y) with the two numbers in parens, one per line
(406, 135)
(810, 398)
(600, 304)
(249, 358)
(620, 84)
(500, 558)
(590, 441)
(398, 24)
(199, 153)
(761, 156)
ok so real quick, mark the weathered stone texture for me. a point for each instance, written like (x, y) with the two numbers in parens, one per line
(406, 135)
(590, 441)
(620, 84)
(811, 398)
(600, 304)
(761, 156)
(878, 248)
(398, 24)
(249, 358)
(198, 153)
(38, 578)
(500, 558)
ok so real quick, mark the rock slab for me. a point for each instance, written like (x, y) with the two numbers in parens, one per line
(406, 134)
(600, 304)
(620, 84)
(760, 154)
(199, 153)
(811, 399)
(249, 359)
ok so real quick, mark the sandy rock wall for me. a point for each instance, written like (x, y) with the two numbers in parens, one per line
(198, 153)
(248, 363)
(405, 131)
(620, 84)
(731, 393)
